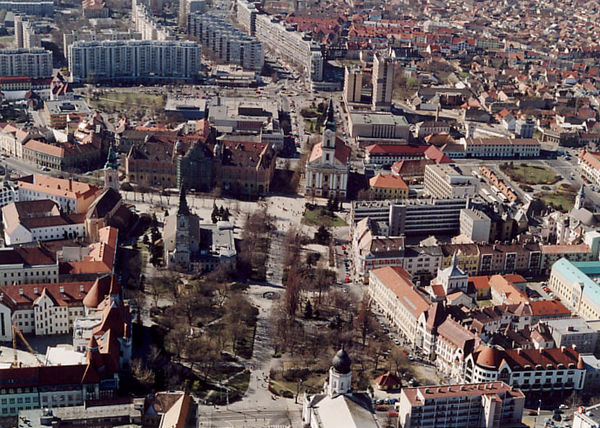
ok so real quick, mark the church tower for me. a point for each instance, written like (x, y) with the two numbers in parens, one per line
(182, 251)
(579, 199)
(329, 136)
(111, 170)
(340, 374)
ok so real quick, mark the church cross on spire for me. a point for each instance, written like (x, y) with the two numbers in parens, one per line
(183, 206)
(111, 159)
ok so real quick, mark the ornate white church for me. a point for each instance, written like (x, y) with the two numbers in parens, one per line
(327, 166)
(338, 405)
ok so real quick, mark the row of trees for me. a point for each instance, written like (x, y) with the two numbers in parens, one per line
(254, 248)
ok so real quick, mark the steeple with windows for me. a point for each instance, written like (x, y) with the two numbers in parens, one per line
(111, 170)
(329, 136)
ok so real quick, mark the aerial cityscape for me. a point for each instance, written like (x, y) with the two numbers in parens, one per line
(299, 213)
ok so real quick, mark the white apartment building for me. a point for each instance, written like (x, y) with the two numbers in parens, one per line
(134, 60)
(39, 8)
(352, 84)
(25, 34)
(383, 82)
(292, 45)
(447, 181)
(394, 293)
(532, 370)
(100, 35)
(35, 63)
(226, 41)
(483, 405)
(146, 25)
(475, 225)
(246, 16)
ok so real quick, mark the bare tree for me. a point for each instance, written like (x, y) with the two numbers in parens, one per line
(293, 288)
(364, 320)
(142, 372)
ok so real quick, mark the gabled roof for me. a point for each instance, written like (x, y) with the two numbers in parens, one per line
(405, 291)
(19, 296)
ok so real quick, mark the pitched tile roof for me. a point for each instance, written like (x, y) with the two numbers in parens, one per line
(403, 288)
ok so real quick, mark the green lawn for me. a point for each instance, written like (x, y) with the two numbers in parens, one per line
(313, 384)
(7, 41)
(484, 303)
(319, 217)
(561, 201)
(240, 382)
(127, 100)
(530, 174)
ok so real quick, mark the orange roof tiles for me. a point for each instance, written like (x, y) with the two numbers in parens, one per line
(388, 181)
(403, 289)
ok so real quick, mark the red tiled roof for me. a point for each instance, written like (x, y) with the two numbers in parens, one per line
(388, 181)
(404, 290)
(396, 149)
(543, 308)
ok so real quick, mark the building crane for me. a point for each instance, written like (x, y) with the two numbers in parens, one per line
(16, 332)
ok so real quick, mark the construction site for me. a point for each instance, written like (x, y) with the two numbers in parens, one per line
(57, 354)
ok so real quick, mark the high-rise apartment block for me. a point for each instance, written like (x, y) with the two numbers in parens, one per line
(134, 60)
(226, 41)
(383, 82)
(187, 7)
(295, 47)
(36, 63)
(25, 34)
(29, 7)
(352, 84)
(101, 35)
(246, 16)
(144, 22)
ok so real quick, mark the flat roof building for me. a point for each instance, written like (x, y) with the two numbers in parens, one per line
(378, 125)
(488, 405)
(577, 285)
(447, 181)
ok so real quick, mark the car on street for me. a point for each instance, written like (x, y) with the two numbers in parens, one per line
(532, 413)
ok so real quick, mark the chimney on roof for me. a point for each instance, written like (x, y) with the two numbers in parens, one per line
(20, 291)
(81, 289)
(35, 290)
(62, 289)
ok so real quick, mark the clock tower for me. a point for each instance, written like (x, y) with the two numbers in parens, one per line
(329, 136)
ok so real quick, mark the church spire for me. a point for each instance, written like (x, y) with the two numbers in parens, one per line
(330, 124)
(111, 159)
(580, 199)
(183, 206)
(454, 261)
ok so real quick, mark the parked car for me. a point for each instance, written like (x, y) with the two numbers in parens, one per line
(533, 413)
